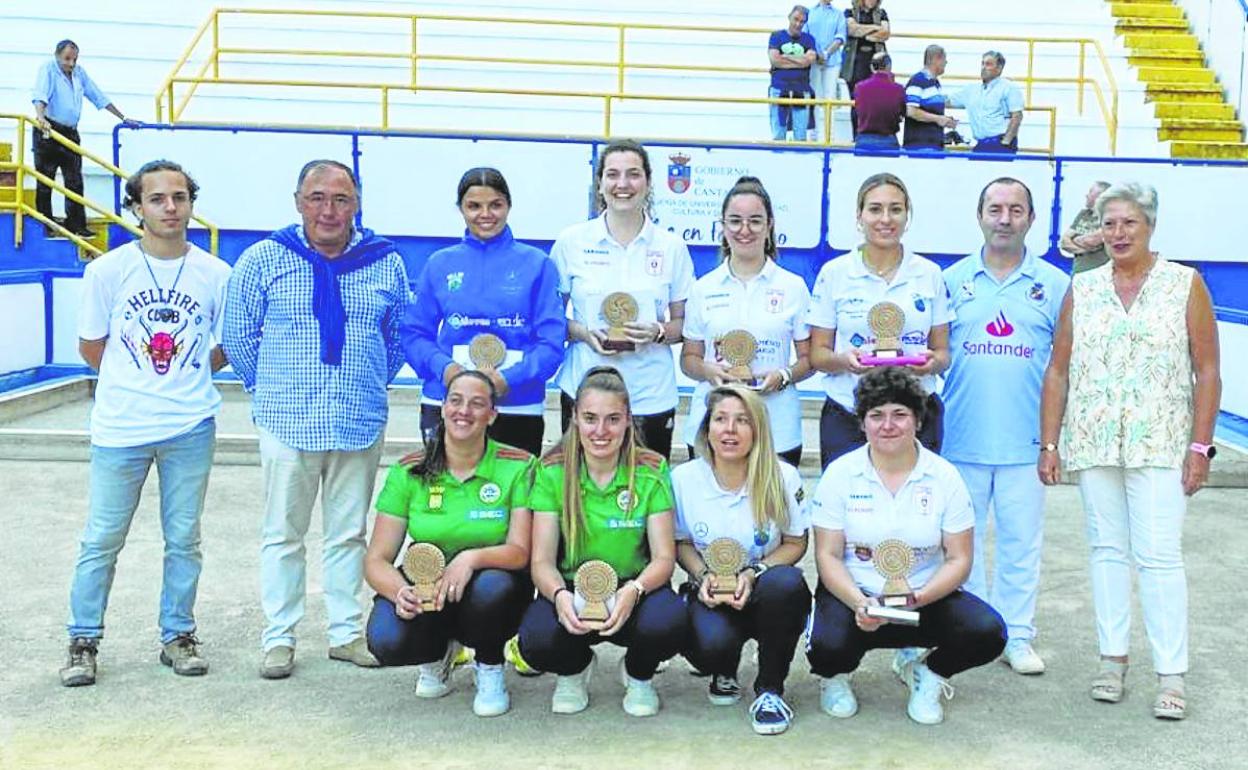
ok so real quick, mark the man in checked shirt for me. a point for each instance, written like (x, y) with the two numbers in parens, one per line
(314, 337)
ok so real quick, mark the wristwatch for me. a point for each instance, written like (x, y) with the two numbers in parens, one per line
(1209, 451)
(1049, 447)
(758, 568)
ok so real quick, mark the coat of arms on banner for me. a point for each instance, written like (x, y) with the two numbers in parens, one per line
(679, 173)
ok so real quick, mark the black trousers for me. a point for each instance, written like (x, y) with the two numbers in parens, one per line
(840, 431)
(962, 630)
(523, 431)
(775, 615)
(654, 430)
(484, 619)
(51, 155)
(653, 633)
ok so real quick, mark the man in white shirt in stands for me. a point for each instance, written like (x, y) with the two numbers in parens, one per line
(993, 107)
(150, 324)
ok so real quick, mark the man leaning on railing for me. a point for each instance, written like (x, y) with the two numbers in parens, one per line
(57, 96)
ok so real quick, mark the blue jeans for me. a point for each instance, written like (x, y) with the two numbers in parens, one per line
(116, 482)
(779, 129)
(876, 142)
(994, 144)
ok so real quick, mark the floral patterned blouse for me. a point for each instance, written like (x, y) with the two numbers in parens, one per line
(1129, 402)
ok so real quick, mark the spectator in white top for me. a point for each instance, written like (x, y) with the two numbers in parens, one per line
(150, 324)
(738, 490)
(893, 495)
(622, 250)
(750, 292)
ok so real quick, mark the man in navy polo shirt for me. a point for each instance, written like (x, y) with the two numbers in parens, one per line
(926, 120)
(1007, 302)
(792, 52)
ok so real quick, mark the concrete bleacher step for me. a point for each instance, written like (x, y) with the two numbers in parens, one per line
(1194, 111)
(1163, 58)
(1137, 24)
(1196, 130)
(1184, 92)
(1152, 41)
(1198, 75)
(1214, 150)
(1145, 10)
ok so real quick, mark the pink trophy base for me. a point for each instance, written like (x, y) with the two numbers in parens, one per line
(892, 360)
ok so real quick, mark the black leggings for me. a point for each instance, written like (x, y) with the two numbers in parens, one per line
(484, 619)
(841, 432)
(775, 615)
(654, 430)
(962, 629)
(523, 431)
(653, 633)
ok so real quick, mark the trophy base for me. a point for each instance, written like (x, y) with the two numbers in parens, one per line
(894, 615)
(892, 360)
(427, 605)
(897, 600)
(618, 345)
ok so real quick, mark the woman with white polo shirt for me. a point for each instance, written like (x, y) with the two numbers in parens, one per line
(749, 292)
(737, 489)
(893, 507)
(623, 251)
(879, 270)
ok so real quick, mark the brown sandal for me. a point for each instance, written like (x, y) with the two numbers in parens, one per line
(1171, 700)
(1107, 685)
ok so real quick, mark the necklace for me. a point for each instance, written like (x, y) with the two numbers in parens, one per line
(879, 271)
(148, 261)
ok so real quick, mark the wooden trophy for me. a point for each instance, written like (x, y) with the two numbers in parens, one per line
(725, 558)
(894, 559)
(619, 308)
(486, 351)
(738, 348)
(423, 565)
(595, 584)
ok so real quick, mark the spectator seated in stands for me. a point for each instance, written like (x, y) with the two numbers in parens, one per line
(880, 103)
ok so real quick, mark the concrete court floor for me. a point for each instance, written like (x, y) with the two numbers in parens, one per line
(331, 715)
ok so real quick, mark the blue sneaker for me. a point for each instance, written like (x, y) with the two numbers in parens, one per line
(770, 715)
(723, 690)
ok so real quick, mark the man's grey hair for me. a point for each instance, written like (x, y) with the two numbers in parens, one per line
(1142, 196)
(932, 53)
(998, 57)
(323, 163)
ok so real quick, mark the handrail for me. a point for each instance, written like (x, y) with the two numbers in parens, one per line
(165, 97)
(21, 208)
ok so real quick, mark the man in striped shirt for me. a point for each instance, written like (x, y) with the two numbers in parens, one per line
(926, 120)
(312, 330)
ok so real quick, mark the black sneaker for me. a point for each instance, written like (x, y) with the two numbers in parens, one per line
(723, 690)
(79, 670)
(770, 715)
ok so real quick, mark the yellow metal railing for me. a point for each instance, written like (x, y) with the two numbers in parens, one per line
(21, 208)
(178, 88)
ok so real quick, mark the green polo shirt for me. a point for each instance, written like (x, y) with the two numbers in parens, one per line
(459, 515)
(615, 532)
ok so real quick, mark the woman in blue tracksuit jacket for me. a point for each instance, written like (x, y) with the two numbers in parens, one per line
(489, 283)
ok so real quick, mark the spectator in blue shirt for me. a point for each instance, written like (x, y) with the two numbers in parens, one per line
(312, 330)
(827, 25)
(792, 53)
(57, 96)
(489, 283)
(993, 107)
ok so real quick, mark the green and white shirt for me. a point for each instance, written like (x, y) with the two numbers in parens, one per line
(615, 525)
(459, 515)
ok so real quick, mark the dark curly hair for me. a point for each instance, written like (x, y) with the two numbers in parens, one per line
(134, 185)
(890, 385)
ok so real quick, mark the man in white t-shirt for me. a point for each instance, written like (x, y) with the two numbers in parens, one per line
(150, 324)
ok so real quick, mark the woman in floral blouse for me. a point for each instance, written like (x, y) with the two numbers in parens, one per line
(1132, 390)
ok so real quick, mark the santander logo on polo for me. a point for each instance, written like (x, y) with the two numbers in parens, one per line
(999, 327)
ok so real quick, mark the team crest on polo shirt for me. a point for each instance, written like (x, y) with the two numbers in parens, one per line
(654, 263)
(624, 500)
(490, 493)
(919, 303)
(455, 281)
(761, 536)
(1036, 292)
(700, 530)
(857, 340)
(967, 291)
(775, 300)
(923, 500)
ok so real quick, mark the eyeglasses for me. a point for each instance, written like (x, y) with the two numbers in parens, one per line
(317, 200)
(734, 224)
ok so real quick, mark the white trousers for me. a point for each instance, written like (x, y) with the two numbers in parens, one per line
(826, 82)
(1138, 511)
(292, 479)
(1015, 497)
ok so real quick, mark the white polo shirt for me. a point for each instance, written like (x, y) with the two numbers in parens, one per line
(845, 292)
(851, 498)
(772, 306)
(706, 511)
(656, 269)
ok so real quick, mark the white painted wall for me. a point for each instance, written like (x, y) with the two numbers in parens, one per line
(22, 315)
(1222, 26)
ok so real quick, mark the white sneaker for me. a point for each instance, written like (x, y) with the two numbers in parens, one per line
(491, 699)
(1020, 656)
(836, 696)
(903, 658)
(640, 698)
(572, 692)
(925, 691)
(433, 680)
